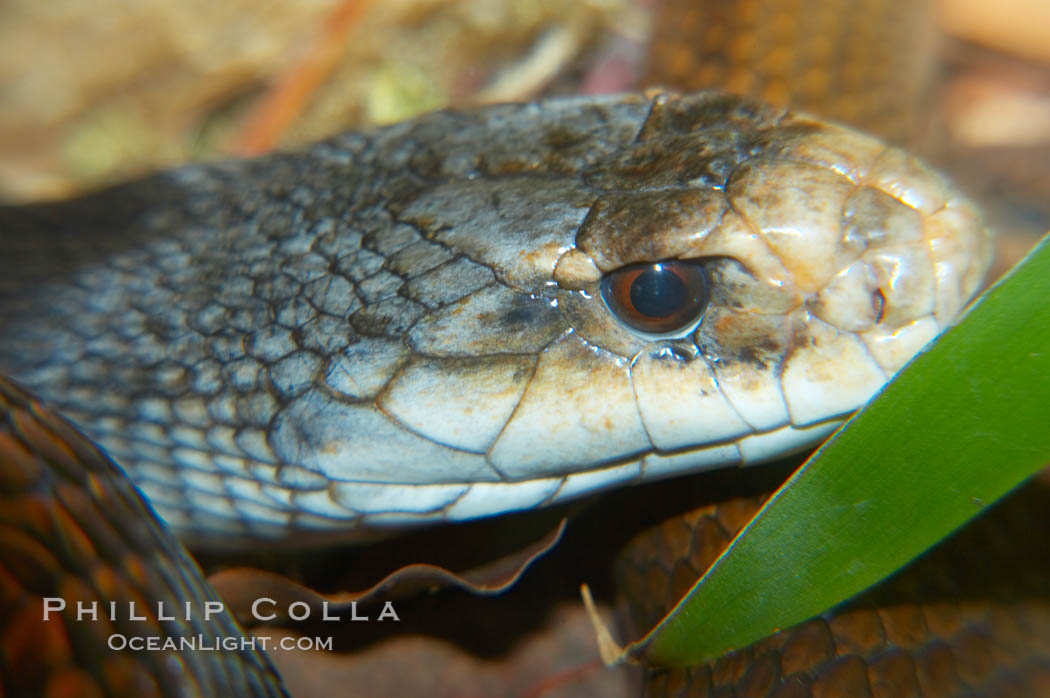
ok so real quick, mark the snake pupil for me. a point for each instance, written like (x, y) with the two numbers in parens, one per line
(657, 292)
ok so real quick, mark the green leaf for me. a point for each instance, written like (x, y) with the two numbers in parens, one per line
(961, 426)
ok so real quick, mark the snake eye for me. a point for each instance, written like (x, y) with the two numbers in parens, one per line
(664, 299)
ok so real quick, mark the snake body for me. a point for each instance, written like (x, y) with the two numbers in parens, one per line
(405, 325)
(73, 527)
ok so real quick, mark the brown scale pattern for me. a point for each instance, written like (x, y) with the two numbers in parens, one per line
(863, 62)
(970, 618)
(72, 526)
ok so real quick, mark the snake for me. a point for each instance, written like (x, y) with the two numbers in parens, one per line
(469, 313)
(493, 310)
(281, 361)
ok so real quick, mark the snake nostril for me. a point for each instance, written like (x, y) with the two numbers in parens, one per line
(878, 304)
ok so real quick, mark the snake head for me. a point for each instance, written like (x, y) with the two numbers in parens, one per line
(480, 311)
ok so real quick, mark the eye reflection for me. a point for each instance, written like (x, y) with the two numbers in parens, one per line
(664, 298)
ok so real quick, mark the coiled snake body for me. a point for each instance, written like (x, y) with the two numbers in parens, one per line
(477, 311)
